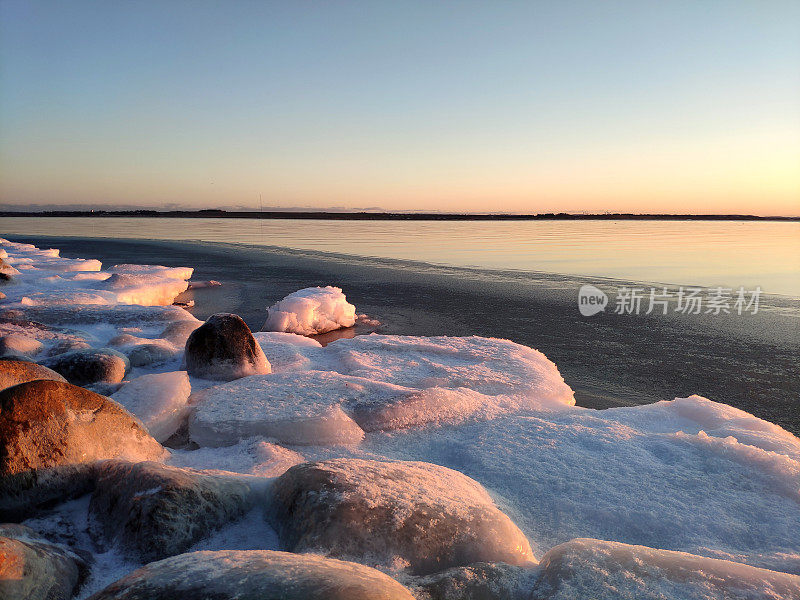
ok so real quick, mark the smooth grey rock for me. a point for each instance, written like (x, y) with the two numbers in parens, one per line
(33, 569)
(223, 348)
(151, 511)
(82, 367)
(254, 575)
(432, 517)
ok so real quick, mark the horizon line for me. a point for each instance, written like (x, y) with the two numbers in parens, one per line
(389, 215)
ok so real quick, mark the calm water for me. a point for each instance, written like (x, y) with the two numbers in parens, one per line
(730, 254)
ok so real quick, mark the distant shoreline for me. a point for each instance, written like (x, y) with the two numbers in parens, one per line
(388, 216)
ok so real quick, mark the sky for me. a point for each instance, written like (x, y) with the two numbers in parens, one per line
(493, 106)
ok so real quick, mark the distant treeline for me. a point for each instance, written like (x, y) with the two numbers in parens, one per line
(385, 216)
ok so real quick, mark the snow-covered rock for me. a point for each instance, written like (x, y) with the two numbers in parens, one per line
(293, 408)
(256, 574)
(158, 400)
(311, 311)
(90, 365)
(34, 569)
(223, 348)
(423, 516)
(151, 511)
(18, 344)
(14, 372)
(588, 568)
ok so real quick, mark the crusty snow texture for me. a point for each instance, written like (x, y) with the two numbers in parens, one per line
(311, 311)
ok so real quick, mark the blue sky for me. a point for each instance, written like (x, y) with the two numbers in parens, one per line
(473, 106)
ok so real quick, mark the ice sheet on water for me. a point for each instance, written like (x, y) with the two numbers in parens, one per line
(311, 311)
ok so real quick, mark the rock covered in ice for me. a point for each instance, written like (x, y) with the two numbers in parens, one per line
(50, 423)
(68, 345)
(223, 348)
(90, 365)
(413, 514)
(479, 581)
(588, 568)
(18, 344)
(293, 408)
(158, 400)
(142, 352)
(151, 511)
(254, 574)
(311, 311)
(14, 372)
(32, 568)
(177, 333)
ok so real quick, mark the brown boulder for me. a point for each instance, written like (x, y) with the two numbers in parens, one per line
(51, 432)
(14, 372)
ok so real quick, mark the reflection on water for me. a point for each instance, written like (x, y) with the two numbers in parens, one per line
(703, 253)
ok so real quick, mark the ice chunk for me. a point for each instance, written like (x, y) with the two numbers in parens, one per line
(143, 288)
(311, 311)
(286, 351)
(159, 401)
(588, 568)
(293, 408)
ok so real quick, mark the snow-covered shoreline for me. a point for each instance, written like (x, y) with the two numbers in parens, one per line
(687, 475)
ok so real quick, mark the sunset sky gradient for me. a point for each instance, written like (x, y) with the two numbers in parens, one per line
(456, 106)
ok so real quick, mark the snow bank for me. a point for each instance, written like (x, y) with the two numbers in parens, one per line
(587, 568)
(291, 408)
(642, 475)
(158, 400)
(311, 311)
(489, 366)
